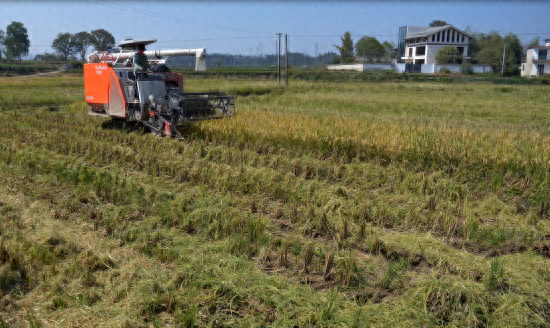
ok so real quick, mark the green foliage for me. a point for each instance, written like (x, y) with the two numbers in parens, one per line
(534, 42)
(346, 49)
(327, 313)
(496, 278)
(393, 273)
(48, 57)
(389, 51)
(448, 55)
(16, 41)
(25, 68)
(242, 62)
(102, 40)
(346, 268)
(467, 69)
(64, 45)
(81, 42)
(2, 46)
(370, 48)
(489, 49)
(436, 23)
(3, 323)
(188, 318)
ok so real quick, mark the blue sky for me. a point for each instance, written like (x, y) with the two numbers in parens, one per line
(249, 27)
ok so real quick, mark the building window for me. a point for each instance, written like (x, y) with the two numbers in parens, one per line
(448, 32)
(523, 67)
(461, 50)
(462, 37)
(433, 38)
(438, 34)
(421, 51)
(410, 52)
(452, 36)
(542, 54)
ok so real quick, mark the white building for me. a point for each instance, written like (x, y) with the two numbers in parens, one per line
(536, 62)
(421, 44)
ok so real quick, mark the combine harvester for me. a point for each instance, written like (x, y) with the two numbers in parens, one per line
(155, 99)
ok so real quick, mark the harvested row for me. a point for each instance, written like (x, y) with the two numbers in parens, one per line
(356, 192)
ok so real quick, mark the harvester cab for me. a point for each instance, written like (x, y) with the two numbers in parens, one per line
(156, 99)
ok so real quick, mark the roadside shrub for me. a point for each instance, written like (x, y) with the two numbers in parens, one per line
(467, 69)
(444, 79)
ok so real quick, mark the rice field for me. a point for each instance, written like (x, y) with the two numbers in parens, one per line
(325, 204)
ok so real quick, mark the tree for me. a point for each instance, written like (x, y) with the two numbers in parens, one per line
(448, 55)
(513, 46)
(16, 41)
(436, 23)
(534, 42)
(489, 49)
(369, 48)
(81, 43)
(2, 48)
(47, 57)
(390, 53)
(346, 50)
(64, 45)
(102, 40)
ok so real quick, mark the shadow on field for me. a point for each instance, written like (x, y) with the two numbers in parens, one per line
(122, 125)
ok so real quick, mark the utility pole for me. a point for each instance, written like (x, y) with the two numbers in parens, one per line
(286, 58)
(504, 59)
(316, 52)
(279, 60)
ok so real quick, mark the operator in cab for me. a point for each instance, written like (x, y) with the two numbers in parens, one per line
(141, 65)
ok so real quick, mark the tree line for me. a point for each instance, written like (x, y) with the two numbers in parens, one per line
(367, 49)
(68, 45)
(488, 48)
(14, 42)
(295, 59)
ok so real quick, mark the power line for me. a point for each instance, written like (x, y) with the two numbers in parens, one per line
(217, 39)
(374, 35)
(338, 35)
(186, 40)
(158, 15)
